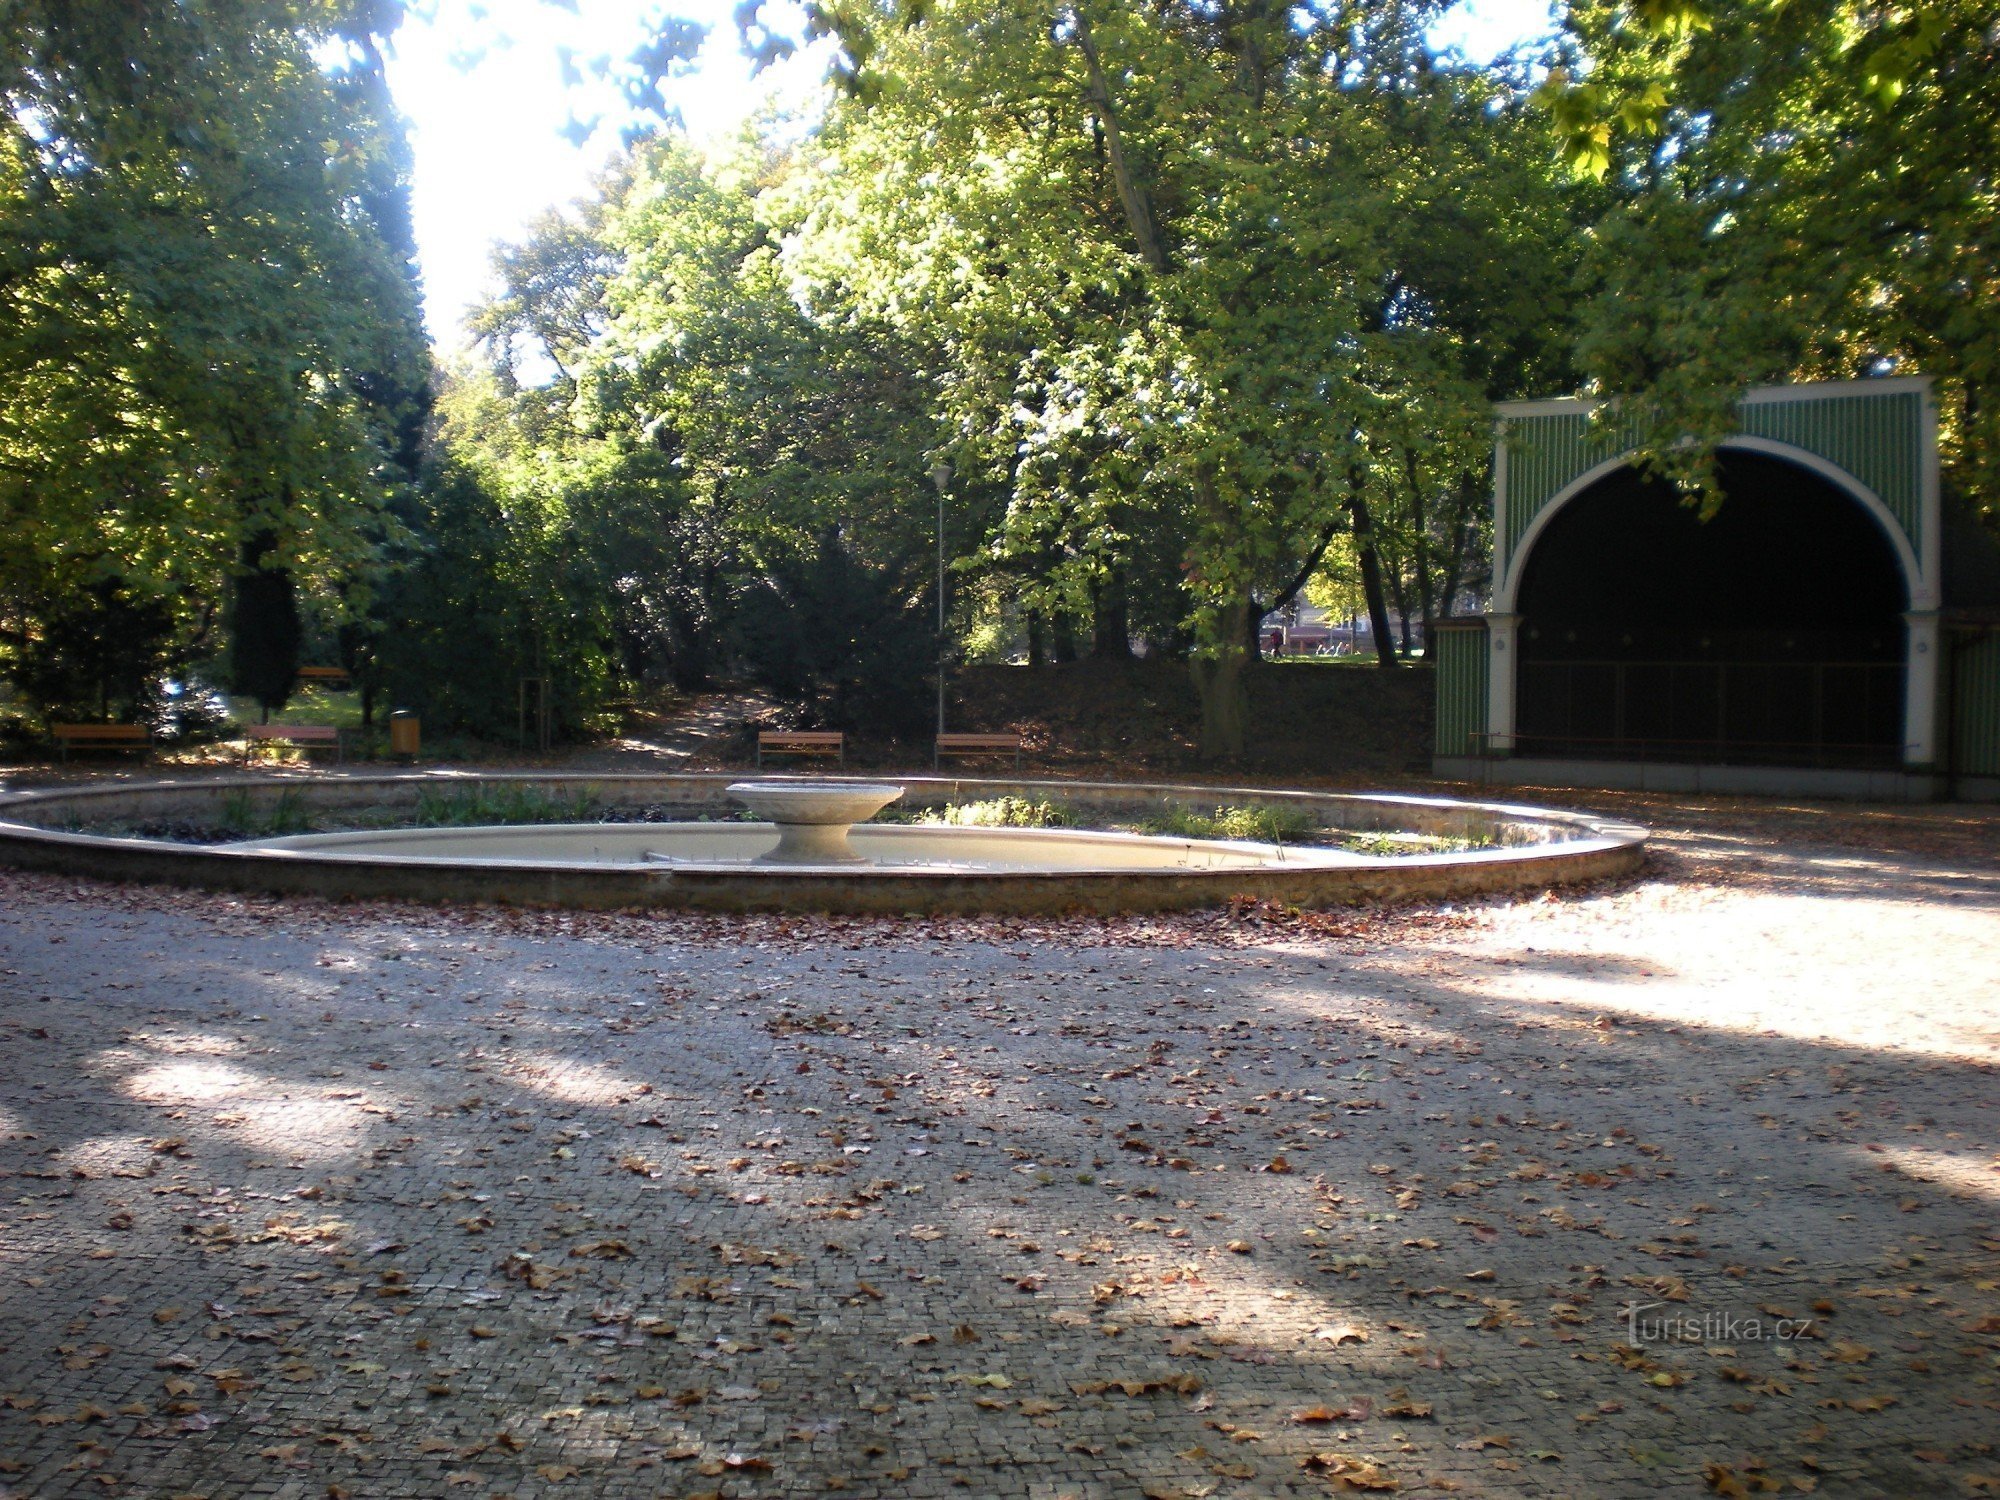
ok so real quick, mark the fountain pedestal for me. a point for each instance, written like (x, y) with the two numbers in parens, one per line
(813, 817)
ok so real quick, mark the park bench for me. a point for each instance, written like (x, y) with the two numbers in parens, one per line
(303, 735)
(70, 737)
(811, 742)
(327, 677)
(977, 744)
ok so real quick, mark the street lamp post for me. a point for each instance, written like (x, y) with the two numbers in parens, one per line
(940, 481)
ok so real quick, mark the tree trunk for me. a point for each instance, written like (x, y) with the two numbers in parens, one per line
(1304, 575)
(1462, 528)
(1038, 645)
(1063, 631)
(1133, 196)
(1400, 595)
(265, 632)
(1111, 618)
(1426, 600)
(1371, 574)
(1220, 684)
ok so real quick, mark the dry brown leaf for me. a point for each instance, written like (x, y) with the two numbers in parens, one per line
(1350, 1472)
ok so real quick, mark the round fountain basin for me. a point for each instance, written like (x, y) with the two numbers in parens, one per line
(718, 866)
(721, 846)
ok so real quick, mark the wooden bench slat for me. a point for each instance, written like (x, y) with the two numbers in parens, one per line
(100, 737)
(293, 734)
(318, 734)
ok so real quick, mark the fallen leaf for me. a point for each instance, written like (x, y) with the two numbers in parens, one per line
(1349, 1472)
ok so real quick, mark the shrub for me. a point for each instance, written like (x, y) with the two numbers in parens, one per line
(472, 806)
(1263, 824)
(249, 817)
(842, 638)
(1002, 812)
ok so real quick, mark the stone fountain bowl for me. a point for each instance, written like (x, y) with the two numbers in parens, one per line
(813, 817)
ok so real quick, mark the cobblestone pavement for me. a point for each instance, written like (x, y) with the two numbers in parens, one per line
(311, 1201)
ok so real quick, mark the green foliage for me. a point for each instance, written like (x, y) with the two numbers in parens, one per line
(505, 802)
(264, 634)
(1185, 298)
(500, 591)
(841, 637)
(1394, 845)
(1335, 585)
(1262, 823)
(1206, 307)
(1002, 812)
(1200, 286)
(253, 815)
(208, 325)
(1799, 191)
(97, 652)
(715, 480)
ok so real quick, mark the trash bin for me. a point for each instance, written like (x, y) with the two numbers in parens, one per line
(404, 734)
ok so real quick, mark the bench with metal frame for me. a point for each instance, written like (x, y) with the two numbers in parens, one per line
(976, 744)
(305, 736)
(70, 737)
(829, 742)
(332, 678)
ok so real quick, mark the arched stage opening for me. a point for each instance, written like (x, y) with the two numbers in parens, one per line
(1772, 632)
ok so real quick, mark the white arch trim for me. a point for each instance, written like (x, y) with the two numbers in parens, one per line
(1921, 585)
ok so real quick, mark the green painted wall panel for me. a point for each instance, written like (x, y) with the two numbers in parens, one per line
(1975, 707)
(1544, 454)
(1879, 439)
(1461, 689)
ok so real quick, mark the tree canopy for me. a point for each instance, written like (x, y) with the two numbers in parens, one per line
(1800, 191)
(1197, 310)
(208, 317)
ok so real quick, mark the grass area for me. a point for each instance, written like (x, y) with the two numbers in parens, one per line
(1000, 812)
(1259, 824)
(310, 705)
(245, 816)
(1392, 844)
(472, 806)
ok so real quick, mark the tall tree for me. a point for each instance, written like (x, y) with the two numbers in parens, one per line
(1155, 251)
(206, 339)
(1805, 190)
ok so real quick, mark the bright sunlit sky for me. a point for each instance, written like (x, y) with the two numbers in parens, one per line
(494, 122)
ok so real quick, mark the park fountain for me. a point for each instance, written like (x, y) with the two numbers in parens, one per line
(683, 841)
